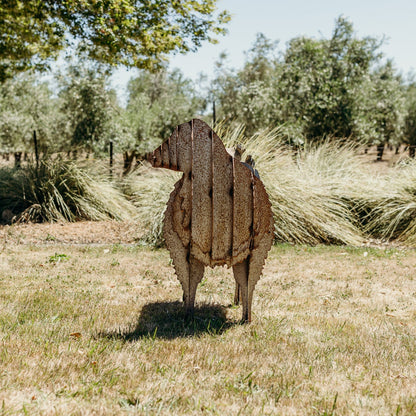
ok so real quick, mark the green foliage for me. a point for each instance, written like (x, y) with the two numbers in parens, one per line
(380, 107)
(249, 96)
(87, 106)
(57, 258)
(157, 103)
(334, 87)
(321, 80)
(26, 105)
(410, 120)
(135, 33)
(59, 190)
(86, 115)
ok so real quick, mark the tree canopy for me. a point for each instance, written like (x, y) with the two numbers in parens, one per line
(135, 33)
(339, 87)
(26, 106)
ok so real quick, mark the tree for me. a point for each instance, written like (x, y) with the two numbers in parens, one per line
(26, 105)
(164, 99)
(157, 103)
(410, 119)
(135, 33)
(87, 105)
(322, 80)
(336, 87)
(246, 96)
(381, 106)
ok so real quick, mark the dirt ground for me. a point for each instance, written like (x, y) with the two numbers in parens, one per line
(83, 232)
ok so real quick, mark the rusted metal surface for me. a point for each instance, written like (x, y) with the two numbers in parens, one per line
(218, 213)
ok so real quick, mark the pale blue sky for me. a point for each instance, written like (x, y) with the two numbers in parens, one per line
(283, 20)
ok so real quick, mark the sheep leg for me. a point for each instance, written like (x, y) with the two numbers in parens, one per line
(188, 270)
(195, 274)
(241, 271)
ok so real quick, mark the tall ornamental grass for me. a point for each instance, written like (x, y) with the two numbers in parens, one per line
(149, 190)
(304, 188)
(60, 190)
(392, 214)
(321, 194)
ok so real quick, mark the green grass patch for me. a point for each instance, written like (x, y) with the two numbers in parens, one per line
(78, 336)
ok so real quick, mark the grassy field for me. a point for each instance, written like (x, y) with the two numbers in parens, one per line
(99, 330)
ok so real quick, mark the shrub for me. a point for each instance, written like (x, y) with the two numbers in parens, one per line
(149, 189)
(392, 214)
(305, 190)
(60, 190)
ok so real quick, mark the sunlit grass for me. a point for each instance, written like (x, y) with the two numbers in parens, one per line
(60, 190)
(393, 211)
(305, 190)
(322, 193)
(101, 330)
(149, 189)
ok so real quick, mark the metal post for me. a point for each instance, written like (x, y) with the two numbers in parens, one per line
(35, 142)
(111, 158)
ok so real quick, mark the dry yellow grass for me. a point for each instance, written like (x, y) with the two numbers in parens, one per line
(98, 330)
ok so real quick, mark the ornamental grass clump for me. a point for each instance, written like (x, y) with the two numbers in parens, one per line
(393, 213)
(60, 191)
(305, 189)
(149, 190)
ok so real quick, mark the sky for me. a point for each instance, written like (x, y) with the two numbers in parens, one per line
(284, 20)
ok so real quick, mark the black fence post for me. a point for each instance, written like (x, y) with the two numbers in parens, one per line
(111, 158)
(214, 116)
(35, 142)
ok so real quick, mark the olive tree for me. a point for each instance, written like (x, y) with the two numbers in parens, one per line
(338, 87)
(410, 119)
(26, 105)
(87, 105)
(157, 103)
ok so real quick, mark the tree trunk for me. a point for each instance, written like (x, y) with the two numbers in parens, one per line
(380, 151)
(17, 159)
(111, 150)
(35, 145)
(128, 161)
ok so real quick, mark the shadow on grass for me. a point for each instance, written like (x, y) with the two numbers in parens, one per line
(167, 320)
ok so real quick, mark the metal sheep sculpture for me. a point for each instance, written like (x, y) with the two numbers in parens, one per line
(218, 213)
